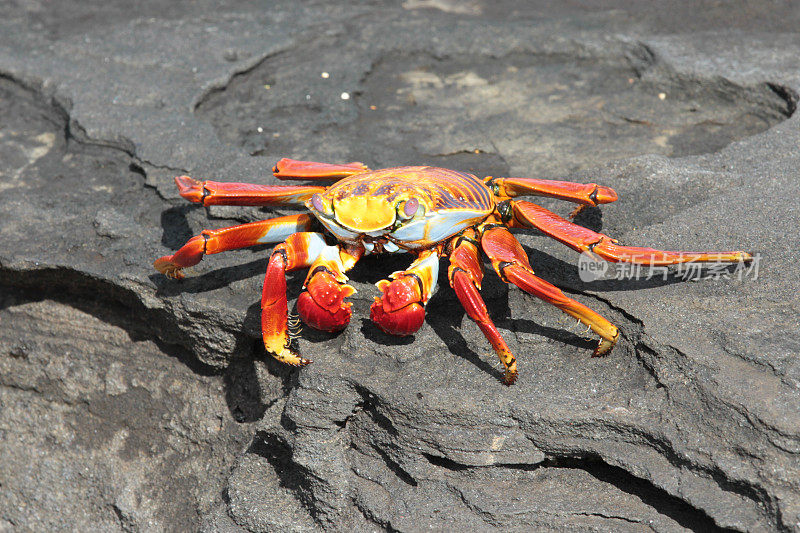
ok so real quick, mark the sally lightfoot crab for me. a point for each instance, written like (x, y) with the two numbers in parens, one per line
(426, 211)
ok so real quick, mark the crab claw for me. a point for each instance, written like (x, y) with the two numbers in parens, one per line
(399, 310)
(322, 305)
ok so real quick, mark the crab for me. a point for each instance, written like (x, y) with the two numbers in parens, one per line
(425, 211)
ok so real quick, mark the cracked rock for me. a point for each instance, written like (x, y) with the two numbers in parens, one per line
(132, 402)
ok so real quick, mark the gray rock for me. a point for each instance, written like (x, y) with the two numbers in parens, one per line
(132, 402)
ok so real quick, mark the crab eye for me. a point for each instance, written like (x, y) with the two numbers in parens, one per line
(318, 204)
(410, 208)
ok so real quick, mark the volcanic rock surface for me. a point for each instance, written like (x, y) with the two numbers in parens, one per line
(129, 401)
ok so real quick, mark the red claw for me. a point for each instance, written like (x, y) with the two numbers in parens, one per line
(399, 292)
(399, 311)
(322, 305)
(402, 322)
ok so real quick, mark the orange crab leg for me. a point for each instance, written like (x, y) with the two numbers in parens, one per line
(231, 238)
(400, 310)
(309, 170)
(582, 239)
(588, 194)
(465, 274)
(298, 251)
(229, 193)
(322, 306)
(511, 264)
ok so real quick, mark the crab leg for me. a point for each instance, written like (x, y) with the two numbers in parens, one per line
(588, 194)
(511, 264)
(231, 238)
(309, 170)
(297, 251)
(581, 239)
(400, 310)
(229, 193)
(465, 274)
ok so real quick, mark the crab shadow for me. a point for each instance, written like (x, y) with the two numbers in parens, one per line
(246, 395)
(445, 315)
(567, 277)
(590, 217)
(210, 280)
(175, 225)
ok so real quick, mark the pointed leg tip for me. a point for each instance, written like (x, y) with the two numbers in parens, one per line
(606, 343)
(186, 182)
(297, 361)
(168, 268)
(189, 188)
(738, 256)
(288, 356)
(605, 195)
(510, 378)
(603, 347)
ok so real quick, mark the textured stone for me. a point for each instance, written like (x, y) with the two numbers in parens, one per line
(132, 402)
